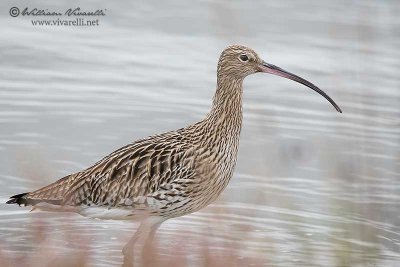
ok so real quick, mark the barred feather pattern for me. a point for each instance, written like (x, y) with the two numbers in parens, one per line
(170, 174)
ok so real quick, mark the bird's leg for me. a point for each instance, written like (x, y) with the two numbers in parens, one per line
(128, 248)
(127, 251)
(144, 234)
(147, 246)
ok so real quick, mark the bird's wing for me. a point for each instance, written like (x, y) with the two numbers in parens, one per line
(140, 169)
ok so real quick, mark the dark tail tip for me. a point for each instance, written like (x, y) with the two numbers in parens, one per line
(18, 199)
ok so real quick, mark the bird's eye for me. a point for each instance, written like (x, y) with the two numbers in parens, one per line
(244, 58)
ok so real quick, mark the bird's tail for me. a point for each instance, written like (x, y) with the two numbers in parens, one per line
(19, 199)
(51, 194)
(27, 200)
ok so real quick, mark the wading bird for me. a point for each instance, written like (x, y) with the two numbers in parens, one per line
(170, 174)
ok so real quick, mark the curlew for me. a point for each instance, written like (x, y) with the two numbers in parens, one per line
(170, 174)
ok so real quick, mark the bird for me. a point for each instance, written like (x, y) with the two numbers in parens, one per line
(171, 174)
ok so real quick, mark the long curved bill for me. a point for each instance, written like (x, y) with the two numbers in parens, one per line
(272, 69)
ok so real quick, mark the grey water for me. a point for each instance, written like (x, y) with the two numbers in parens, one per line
(312, 187)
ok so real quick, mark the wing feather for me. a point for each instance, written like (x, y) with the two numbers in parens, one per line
(133, 171)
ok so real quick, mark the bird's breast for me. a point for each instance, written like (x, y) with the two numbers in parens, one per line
(215, 167)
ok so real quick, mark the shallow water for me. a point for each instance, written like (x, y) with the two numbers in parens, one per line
(312, 187)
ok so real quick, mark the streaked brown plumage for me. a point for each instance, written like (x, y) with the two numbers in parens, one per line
(170, 174)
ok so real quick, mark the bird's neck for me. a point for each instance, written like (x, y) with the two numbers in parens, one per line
(226, 112)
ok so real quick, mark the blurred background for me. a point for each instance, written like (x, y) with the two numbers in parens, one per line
(312, 187)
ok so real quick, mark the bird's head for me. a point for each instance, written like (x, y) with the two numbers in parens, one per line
(237, 61)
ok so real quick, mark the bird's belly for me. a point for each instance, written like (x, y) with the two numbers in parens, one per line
(200, 197)
(99, 212)
(106, 213)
